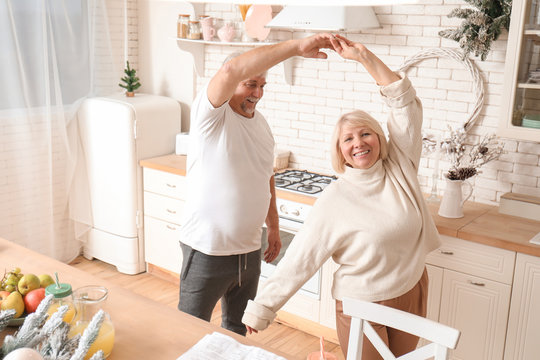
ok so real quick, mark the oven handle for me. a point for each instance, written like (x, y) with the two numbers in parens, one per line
(288, 225)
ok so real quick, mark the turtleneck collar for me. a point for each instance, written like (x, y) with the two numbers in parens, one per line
(376, 172)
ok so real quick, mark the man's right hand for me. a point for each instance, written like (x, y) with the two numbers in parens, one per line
(310, 47)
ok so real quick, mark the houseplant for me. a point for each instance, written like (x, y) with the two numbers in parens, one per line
(131, 81)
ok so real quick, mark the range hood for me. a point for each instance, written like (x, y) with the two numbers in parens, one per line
(325, 18)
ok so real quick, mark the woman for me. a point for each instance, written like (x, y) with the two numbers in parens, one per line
(372, 221)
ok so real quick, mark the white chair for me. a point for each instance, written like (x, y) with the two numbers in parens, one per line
(441, 337)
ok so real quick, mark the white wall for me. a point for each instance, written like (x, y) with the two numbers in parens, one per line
(163, 68)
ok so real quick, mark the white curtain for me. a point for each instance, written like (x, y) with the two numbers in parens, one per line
(53, 54)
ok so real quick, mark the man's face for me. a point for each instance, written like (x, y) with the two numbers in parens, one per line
(247, 94)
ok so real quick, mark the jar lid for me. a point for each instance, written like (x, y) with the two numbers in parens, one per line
(58, 291)
(185, 15)
(194, 21)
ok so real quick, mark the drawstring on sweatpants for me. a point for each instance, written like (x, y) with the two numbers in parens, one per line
(240, 268)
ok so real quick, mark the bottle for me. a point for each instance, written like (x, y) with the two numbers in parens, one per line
(194, 32)
(183, 25)
(63, 295)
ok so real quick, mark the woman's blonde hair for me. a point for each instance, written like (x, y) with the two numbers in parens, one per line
(355, 118)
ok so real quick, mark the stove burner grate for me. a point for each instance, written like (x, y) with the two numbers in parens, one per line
(302, 181)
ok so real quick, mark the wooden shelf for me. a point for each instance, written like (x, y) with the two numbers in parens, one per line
(196, 49)
(529, 86)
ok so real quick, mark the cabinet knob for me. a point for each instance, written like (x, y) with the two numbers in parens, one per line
(171, 211)
(446, 252)
(171, 185)
(170, 227)
(475, 283)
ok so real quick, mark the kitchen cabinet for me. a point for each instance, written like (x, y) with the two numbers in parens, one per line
(521, 94)
(164, 199)
(470, 286)
(196, 49)
(524, 320)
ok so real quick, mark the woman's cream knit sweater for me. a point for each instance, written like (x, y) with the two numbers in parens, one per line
(374, 223)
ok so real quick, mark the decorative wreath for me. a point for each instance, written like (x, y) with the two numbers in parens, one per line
(478, 85)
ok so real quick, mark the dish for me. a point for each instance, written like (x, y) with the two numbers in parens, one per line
(17, 321)
(256, 18)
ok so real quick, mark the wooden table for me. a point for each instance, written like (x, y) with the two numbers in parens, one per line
(144, 328)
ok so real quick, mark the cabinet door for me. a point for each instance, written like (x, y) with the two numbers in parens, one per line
(521, 106)
(162, 246)
(435, 275)
(479, 309)
(522, 339)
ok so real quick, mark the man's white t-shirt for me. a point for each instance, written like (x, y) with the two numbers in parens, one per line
(229, 166)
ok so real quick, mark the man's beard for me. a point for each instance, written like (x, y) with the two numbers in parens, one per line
(244, 105)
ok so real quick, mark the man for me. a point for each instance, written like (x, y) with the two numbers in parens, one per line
(231, 185)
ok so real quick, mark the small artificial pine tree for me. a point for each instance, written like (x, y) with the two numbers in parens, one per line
(131, 80)
(481, 26)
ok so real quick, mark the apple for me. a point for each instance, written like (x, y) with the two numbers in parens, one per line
(28, 283)
(45, 280)
(13, 301)
(32, 299)
(3, 295)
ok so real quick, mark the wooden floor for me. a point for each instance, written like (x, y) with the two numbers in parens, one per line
(284, 338)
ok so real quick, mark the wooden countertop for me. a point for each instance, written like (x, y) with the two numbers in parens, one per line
(144, 329)
(172, 163)
(481, 223)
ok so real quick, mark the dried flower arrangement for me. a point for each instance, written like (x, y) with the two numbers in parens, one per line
(50, 337)
(466, 160)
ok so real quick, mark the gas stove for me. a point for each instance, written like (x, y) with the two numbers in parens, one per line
(302, 181)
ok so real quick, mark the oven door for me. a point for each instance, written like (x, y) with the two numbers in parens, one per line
(287, 230)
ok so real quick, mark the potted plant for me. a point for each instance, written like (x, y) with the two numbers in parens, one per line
(131, 81)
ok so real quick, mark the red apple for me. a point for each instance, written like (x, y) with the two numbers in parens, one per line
(32, 299)
(3, 295)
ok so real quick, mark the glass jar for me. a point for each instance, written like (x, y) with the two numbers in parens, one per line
(194, 32)
(183, 26)
(88, 301)
(63, 295)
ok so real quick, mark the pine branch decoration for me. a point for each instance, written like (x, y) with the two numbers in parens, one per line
(5, 316)
(131, 80)
(481, 26)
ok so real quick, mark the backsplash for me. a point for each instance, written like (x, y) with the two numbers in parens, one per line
(302, 115)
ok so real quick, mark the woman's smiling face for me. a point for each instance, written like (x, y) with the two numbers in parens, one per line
(359, 146)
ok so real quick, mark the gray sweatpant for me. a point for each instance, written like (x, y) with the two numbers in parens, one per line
(205, 279)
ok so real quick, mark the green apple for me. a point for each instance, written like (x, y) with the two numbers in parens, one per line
(13, 301)
(45, 280)
(28, 283)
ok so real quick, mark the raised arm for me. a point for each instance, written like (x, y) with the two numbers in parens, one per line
(348, 49)
(259, 60)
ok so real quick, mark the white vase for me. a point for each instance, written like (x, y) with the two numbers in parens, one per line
(454, 198)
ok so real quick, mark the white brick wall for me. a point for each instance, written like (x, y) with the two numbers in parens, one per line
(302, 115)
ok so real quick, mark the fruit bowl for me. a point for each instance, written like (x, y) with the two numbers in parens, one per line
(17, 321)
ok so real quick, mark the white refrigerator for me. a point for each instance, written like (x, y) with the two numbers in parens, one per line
(116, 133)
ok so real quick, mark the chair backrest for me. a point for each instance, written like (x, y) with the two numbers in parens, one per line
(441, 337)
